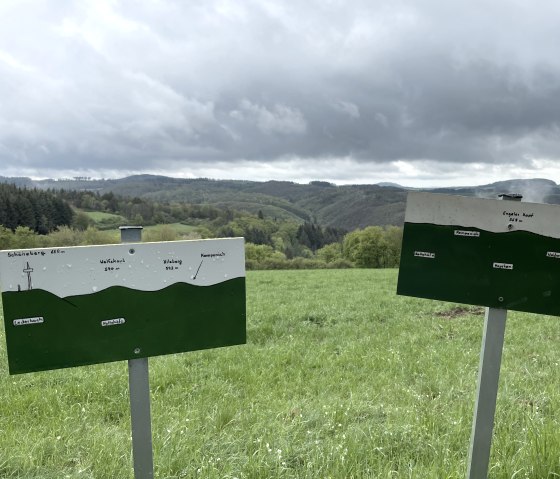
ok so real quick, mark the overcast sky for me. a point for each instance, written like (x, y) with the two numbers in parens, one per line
(417, 92)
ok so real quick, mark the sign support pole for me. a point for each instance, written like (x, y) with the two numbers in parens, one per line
(487, 392)
(139, 388)
(487, 389)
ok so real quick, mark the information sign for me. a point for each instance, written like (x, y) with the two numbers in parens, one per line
(74, 306)
(500, 254)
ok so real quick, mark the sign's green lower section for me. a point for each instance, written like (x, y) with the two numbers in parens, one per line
(516, 270)
(44, 331)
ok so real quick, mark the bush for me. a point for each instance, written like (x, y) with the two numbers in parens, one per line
(6, 238)
(340, 264)
(93, 236)
(330, 253)
(24, 237)
(373, 247)
(161, 233)
(65, 236)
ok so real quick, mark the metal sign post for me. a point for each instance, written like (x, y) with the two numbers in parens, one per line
(78, 305)
(140, 420)
(139, 389)
(487, 389)
(487, 392)
(500, 254)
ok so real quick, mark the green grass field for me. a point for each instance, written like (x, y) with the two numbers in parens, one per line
(179, 228)
(98, 216)
(167, 232)
(340, 378)
(102, 219)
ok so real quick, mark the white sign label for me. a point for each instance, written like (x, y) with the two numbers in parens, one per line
(553, 254)
(471, 234)
(113, 322)
(424, 254)
(26, 321)
(502, 266)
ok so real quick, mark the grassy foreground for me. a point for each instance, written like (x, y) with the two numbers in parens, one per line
(340, 378)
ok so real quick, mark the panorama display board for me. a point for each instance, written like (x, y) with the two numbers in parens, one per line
(495, 253)
(83, 305)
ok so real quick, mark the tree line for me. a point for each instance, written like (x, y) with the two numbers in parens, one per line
(27, 215)
(371, 247)
(142, 211)
(290, 238)
(40, 211)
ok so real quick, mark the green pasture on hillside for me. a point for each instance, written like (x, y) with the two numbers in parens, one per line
(179, 228)
(99, 216)
(171, 231)
(340, 378)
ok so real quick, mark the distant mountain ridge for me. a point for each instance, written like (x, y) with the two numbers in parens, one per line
(345, 206)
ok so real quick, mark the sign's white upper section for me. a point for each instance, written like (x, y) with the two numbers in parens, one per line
(143, 266)
(496, 216)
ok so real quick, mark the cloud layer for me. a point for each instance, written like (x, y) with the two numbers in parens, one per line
(340, 90)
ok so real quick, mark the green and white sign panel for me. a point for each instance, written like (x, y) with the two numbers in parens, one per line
(495, 253)
(74, 306)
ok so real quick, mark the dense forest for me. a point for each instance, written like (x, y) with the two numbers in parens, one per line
(40, 211)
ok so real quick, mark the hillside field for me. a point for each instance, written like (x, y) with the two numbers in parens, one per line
(340, 378)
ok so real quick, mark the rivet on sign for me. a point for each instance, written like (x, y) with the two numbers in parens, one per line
(510, 226)
(137, 351)
(132, 251)
(501, 299)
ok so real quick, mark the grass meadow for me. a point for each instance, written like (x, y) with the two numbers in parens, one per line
(176, 229)
(98, 216)
(340, 378)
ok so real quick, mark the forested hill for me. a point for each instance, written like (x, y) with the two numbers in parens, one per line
(348, 207)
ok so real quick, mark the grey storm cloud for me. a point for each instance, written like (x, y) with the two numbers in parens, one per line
(133, 85)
